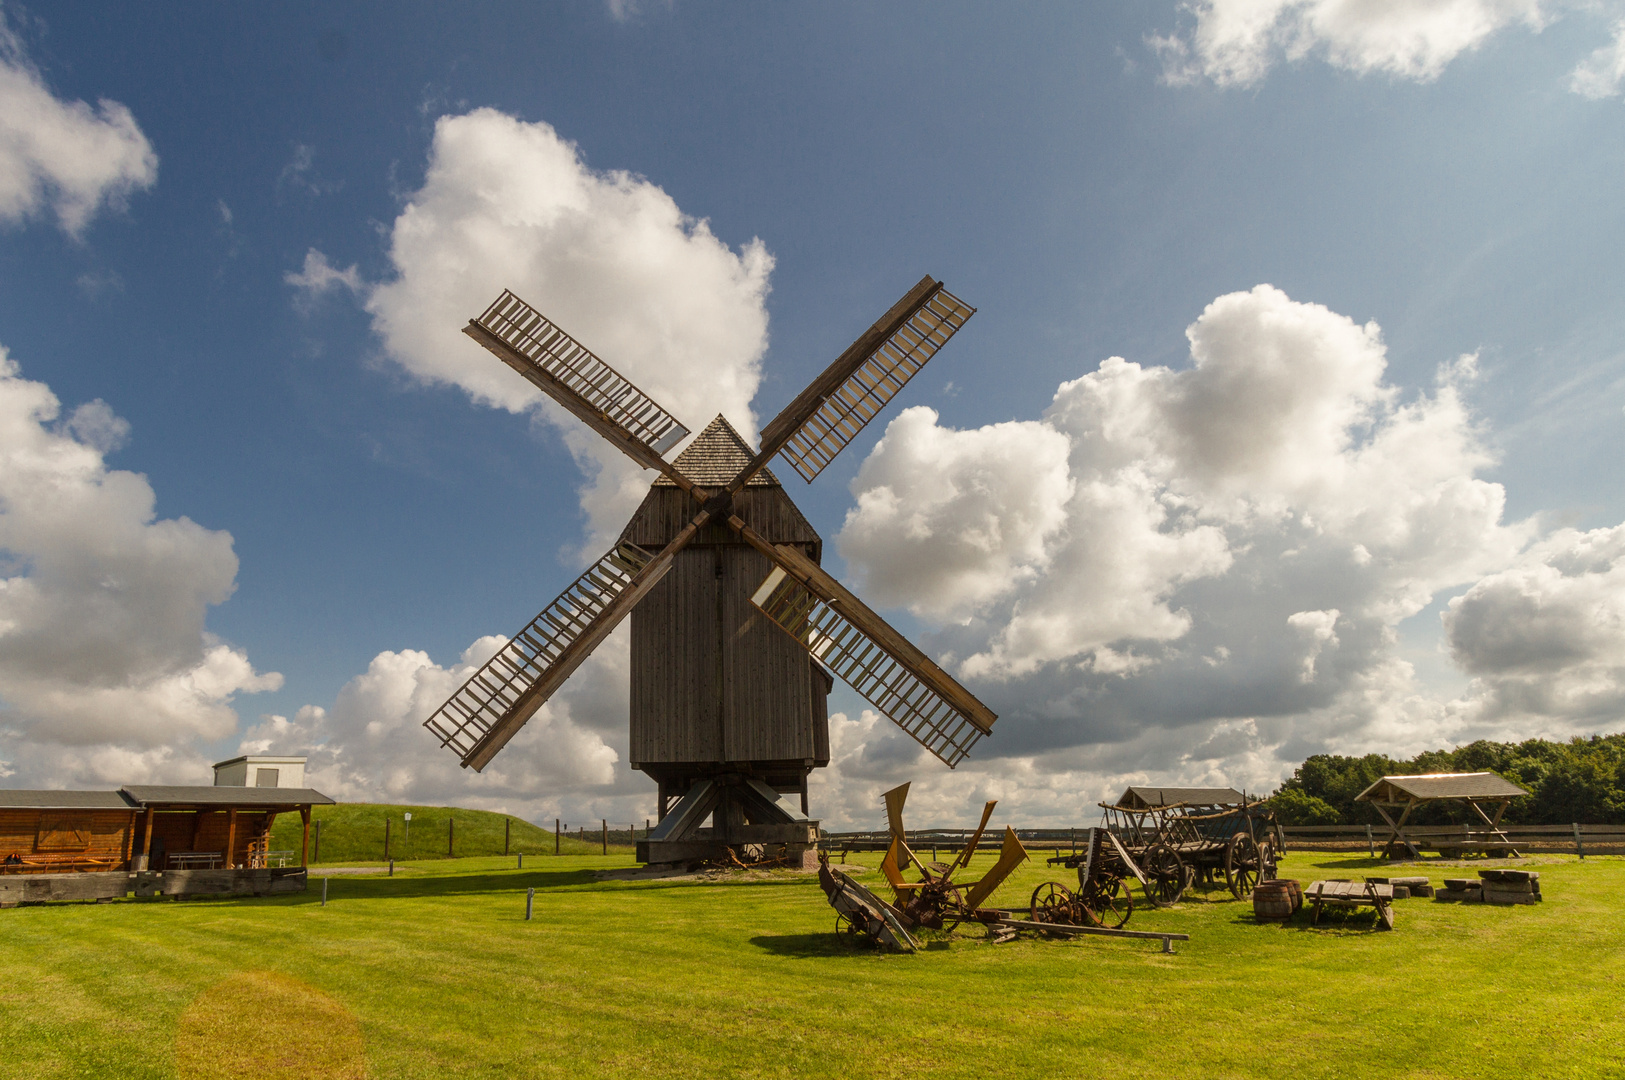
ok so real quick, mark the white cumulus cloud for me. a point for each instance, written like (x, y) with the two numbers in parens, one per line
(63, 155)
(106, 668)
(1601, 74)
(1236, 42)
(1228, 550)
(607, 255)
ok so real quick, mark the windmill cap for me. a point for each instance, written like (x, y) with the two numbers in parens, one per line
(715, 457)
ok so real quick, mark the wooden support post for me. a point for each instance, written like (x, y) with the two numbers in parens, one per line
(1579, 848)
(605, 825)
(146, 841)
(231, 837)
(304, 842)
(507, 834)
(129, 840)
(555, 836)
(386, 837)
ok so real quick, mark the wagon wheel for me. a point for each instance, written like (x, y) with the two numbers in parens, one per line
(1107, 902)
(847, 928)
(1166, 875)
(1242, 861)
(1054, 903)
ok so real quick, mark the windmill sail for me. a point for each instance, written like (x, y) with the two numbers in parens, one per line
(899, 680)
(569, 372)
(488, 701)
(829, 414)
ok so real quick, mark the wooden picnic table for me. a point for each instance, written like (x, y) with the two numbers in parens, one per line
(1353, 894)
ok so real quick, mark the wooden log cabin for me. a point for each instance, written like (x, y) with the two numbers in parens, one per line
(196, 839)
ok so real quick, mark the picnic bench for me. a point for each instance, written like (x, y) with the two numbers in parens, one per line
(194, 860)
(1353, 894)
(58, 863)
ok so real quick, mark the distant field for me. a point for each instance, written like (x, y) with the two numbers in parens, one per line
(434, 973)
(354, 832)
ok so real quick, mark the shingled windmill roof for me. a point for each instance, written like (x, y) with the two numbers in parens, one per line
(716, 456)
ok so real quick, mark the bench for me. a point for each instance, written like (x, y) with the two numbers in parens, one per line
(194, 860)
(58, 864)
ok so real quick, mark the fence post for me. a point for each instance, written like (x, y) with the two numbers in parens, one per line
(530, 902)
(1372, 844)
(603, 823)
(521, 860)
(392, 868)
(324, 891)
(507, 834)
(555, 836)
(1579, 847)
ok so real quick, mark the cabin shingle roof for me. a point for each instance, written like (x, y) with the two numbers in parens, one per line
(15, 799)
(715, 457)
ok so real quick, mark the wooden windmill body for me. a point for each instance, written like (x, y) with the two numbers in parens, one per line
(737, 631)
(719, 693)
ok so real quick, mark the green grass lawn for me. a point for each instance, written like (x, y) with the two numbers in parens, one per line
(353, 833)
(434, 973)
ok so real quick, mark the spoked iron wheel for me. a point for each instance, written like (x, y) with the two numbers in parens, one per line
(1107, 903)
(1242, 861)
(1166, 875)
(1054, 903)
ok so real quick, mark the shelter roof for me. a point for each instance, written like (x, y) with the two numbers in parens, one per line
(715, 457)
(1473, 785)
(1138, 798)
(150, 795)
(13, 799)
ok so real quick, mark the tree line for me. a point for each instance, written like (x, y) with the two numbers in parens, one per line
(1580, 780)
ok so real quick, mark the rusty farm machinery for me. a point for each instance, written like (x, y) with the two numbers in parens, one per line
(939, 901)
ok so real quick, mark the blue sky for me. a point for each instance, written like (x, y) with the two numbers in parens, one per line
(1091, 180)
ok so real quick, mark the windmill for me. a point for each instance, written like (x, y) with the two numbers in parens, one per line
(727, 712)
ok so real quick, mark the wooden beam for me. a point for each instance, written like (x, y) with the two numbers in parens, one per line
(231, 836)
(304, 843)
(146, 843)
(579, 649)
(793, 415)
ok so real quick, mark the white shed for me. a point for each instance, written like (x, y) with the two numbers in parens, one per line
(259, 770)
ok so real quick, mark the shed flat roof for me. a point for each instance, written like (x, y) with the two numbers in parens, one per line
(1472, 785)
(13, 799)
(145, 795)
(1138, 797)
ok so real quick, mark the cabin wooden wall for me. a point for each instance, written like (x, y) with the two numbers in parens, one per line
(64, 832)
(188, 830)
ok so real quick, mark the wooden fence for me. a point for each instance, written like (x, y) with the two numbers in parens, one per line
(1573, 838)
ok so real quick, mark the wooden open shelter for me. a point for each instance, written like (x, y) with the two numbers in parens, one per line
(153, 840)
(1404, 795)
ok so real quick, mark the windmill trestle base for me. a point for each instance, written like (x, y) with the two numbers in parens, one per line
(747, 841)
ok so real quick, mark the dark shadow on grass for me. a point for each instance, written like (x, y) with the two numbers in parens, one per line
(808, 946)
(407, 887)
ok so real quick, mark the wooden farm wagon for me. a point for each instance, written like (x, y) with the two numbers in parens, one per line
(1173, 836)
(1404, 795)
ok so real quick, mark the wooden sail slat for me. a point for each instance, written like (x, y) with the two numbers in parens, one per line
(868, 667)
(491, 692)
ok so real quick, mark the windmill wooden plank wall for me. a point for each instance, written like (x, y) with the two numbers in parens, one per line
(714, 684)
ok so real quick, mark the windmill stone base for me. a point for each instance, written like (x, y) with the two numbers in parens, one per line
(747, 822)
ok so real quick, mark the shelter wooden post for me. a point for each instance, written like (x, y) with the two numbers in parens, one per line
(129, 840)
(304, 842)
(146, 840)
(231, 836)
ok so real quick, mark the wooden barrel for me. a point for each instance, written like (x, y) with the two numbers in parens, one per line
(1274, 900)
(1296, 890)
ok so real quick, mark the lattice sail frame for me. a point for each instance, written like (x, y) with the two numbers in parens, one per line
(875, 382)
(868, 668)
(491, 691)
(538, 339)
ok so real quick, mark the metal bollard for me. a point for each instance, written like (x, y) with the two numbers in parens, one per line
(324, 891)
(392, 868)
(530, 902)
(521, 860)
